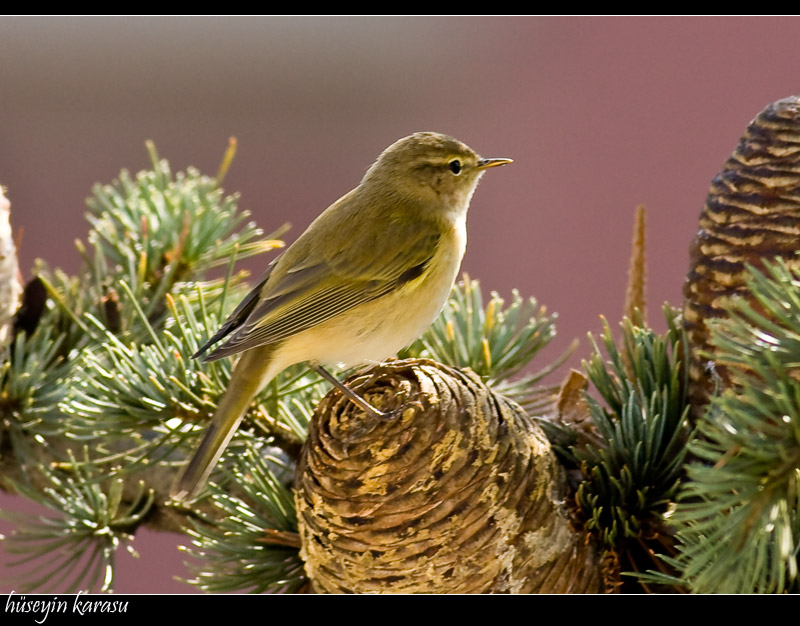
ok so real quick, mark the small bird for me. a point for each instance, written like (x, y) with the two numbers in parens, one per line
(366, 279)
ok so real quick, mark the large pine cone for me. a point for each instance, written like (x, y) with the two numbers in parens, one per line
(752, 212)
(458, 492)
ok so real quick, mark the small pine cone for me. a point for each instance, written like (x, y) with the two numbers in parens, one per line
(457, 492)
(752, 212)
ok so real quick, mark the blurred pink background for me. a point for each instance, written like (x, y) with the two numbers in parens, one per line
(599, 114)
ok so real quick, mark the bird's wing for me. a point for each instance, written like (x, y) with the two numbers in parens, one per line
(314, 289)
(240, 313)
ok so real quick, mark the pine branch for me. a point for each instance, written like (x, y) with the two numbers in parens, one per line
(74, 549)
(100, 360)
(738, 516)
(152, 231)
(251, 543)
(32, 387)
(631, 476)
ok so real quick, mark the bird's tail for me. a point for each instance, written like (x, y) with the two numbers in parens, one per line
(250, 374)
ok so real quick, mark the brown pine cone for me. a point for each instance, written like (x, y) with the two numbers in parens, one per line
(752, 212)
(457, 492)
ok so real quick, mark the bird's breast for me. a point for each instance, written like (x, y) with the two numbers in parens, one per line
(378, 329)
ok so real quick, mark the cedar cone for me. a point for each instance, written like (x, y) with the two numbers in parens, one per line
(752, 212)
(457, 492)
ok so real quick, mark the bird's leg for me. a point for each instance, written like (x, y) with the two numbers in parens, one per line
(349, 393)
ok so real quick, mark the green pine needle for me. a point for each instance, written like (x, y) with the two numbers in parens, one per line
(152, 231)
(168, 224)
(250, 543)
(495, 341)
(32, 385)
(632, 476)
(738, 517)
(75, 549)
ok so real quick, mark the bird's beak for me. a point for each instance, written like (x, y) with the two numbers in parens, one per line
(487, 163)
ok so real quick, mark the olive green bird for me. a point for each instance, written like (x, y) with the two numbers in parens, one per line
(366, 279)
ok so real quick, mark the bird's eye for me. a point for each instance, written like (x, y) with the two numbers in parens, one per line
(455, 166)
